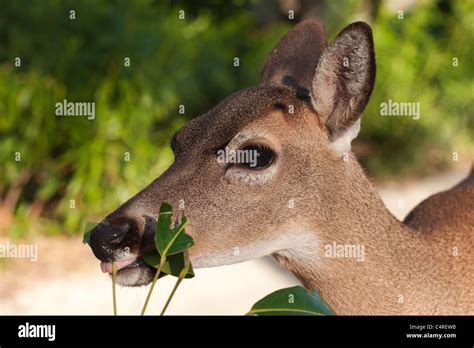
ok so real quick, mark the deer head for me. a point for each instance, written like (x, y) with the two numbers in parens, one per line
(299, 123)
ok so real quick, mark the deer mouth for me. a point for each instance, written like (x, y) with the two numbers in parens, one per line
(131, 272)
(106, 267)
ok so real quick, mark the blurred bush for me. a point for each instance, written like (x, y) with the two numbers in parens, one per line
(189, 62)
(415, 64)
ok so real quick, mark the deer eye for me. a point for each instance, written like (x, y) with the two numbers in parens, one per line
(259, 155)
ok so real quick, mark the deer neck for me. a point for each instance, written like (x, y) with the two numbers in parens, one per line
(385, 271)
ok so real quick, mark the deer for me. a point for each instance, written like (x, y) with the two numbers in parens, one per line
(305, 192)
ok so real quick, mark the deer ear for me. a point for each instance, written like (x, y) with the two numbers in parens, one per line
(343, 82)
(296, 55)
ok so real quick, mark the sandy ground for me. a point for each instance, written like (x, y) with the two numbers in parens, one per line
(66, 279)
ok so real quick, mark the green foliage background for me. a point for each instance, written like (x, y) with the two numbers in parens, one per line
(189, 62)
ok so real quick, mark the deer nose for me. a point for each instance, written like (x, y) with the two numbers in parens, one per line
(108, 235)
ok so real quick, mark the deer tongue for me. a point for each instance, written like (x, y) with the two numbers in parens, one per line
(107, 266)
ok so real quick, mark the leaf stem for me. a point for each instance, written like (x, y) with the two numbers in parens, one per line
(180, 278)
(155, 278)
(114, 276)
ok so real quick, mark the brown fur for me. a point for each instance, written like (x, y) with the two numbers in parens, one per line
(400, 260)
(313, 194)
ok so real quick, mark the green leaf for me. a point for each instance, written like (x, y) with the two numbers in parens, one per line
(171, 241)
(170, 256)
(291, 301)
(86, 239)
(174, 263)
